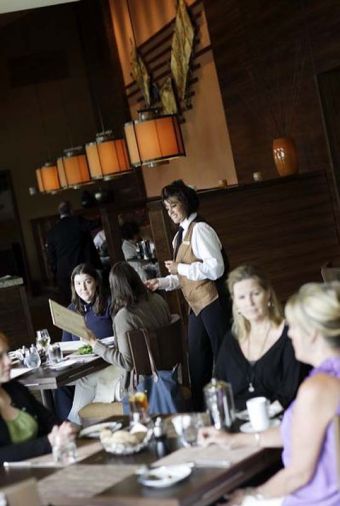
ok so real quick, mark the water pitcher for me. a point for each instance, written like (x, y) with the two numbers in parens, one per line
(219, 400)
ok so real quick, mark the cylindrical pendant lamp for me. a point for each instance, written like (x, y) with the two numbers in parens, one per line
(47, 178)
(107, 156)
(153, 139)
(93, 160)
(76, 168)
(61, 172)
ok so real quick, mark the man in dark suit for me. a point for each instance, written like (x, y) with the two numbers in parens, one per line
(69, 243)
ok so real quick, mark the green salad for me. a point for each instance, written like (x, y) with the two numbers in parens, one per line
(85, 350)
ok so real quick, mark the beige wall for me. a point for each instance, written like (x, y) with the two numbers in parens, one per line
(209, 156)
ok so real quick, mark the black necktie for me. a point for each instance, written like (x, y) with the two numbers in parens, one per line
(178, 242)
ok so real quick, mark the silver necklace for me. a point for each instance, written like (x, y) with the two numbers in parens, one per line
(251, 387)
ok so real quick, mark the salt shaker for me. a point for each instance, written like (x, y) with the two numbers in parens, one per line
(158, 430)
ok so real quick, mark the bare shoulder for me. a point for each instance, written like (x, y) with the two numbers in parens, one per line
(321, 391)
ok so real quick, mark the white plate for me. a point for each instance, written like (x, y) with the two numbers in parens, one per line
(247, 427)
(84, 355)
(61, 365)
(165, 476)
(75, 345)
(94, 430)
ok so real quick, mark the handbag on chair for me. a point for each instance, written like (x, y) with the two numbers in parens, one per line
(161, 386)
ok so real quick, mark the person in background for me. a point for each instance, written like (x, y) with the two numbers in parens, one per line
(199, 267)
(307, 432)
(256, 356)
(130, 233)
(89, 300)
(69, 243)
(133, 308)
(27, 428)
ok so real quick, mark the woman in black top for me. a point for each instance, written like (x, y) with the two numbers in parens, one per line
(257, 356)
(27, 428)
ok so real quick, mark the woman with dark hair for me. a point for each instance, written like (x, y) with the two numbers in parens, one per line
(256, 356)
(27, 428)
(89, 300)
(199, 267)
(133, 307)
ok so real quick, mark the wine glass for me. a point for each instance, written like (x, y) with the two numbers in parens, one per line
(43, 339)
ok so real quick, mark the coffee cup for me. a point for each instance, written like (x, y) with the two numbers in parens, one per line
(258, 411)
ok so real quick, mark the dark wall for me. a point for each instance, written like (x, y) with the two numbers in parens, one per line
(60, 82)
(267, 56)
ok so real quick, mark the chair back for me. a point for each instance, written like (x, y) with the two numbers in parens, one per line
(165, 343)
(22, 494)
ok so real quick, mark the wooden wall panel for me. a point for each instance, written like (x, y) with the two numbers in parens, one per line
(286, 226)
(259, 36)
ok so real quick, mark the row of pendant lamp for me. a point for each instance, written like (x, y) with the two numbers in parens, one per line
(150, 140)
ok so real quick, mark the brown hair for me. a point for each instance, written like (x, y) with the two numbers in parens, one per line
(127, 289)
(241, 326)
(100, 301)
(4, 339)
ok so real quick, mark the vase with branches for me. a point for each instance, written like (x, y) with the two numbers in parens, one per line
(275, 95)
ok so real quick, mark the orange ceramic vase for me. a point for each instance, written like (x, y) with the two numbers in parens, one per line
(285, 156)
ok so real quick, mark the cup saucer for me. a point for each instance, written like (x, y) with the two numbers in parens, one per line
(248, 428)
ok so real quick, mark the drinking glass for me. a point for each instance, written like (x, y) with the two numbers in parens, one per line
(43, 339)
(32, 358)
(55, 353)
(190, 425)
(64, 450)
(138, 403)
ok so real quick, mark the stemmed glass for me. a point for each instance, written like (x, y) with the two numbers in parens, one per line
(43, 339)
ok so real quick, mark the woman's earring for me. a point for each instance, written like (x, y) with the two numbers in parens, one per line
(269, 303)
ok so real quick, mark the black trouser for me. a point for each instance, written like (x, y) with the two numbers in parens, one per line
(205, 335)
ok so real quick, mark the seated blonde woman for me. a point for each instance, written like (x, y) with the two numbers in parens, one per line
(256, 356)
(307, 432)
(134, 307)
(27, 428)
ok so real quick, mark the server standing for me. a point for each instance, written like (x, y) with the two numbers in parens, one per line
(199, 268)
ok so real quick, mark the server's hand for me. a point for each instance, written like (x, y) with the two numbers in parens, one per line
(171, 266)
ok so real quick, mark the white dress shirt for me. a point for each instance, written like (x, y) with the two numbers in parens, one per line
(207, 247)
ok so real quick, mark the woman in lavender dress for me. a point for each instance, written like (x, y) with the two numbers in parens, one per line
(307, 433)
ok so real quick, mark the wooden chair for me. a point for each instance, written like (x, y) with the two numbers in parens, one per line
(167, 349)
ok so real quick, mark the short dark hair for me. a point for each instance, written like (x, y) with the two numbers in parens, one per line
(129, 230)
(100, 300)
(127, 289)
(64, 208)
(185, 194)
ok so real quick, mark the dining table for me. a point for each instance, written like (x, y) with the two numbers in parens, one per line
(105, 479)
(47, 380)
